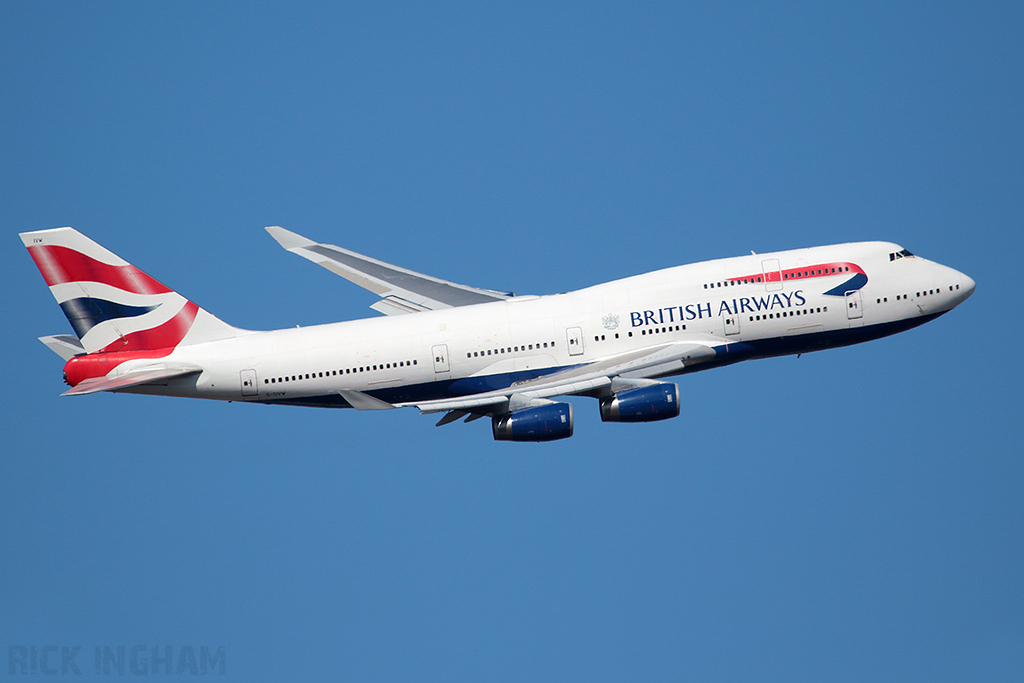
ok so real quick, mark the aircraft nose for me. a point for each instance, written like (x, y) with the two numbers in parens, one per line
(966, 285)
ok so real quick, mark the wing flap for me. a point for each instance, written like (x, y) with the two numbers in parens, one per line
(393, 305)
(402, 290)
(128, 380)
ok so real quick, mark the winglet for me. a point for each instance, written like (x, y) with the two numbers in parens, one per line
(288, 239)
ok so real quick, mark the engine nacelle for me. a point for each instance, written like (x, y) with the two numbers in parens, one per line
(543, 423)
(646, 404)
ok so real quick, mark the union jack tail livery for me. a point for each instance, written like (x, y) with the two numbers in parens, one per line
(112, 305)
(119, 314)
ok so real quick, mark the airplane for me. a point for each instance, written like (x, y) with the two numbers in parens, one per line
(471, 353)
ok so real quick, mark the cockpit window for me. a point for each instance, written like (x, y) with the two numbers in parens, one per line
(899, 254)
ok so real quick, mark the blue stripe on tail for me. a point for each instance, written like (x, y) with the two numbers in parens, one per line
(86, 313)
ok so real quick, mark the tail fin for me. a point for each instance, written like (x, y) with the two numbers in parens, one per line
(111, 304)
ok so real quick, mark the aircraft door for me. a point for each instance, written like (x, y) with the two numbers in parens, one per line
(574, 337)
(440, 353)
(732, 324)
(854, 309)
(772, 274)
(249, 385)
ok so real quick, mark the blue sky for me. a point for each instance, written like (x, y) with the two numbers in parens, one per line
(852, 515)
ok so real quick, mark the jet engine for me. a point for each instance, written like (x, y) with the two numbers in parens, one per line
(542, 423)
(644, 404)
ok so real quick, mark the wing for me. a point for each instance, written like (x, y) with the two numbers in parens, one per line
(403, 290)
(130, 379)
(583, 379)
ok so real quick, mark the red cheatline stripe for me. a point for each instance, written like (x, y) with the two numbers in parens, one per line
(804, 272)
(165, 336)
(61, 264)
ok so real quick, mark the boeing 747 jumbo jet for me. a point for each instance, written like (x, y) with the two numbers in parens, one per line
(471, 353)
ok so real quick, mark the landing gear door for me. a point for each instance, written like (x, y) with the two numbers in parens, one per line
(249, 385)
(574, 338)
(772, 274)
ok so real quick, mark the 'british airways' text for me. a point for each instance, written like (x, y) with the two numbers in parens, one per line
(747, 304)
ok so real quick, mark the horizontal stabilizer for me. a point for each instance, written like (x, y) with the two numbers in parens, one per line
(402, 290)
(67, 346)
(131, 379)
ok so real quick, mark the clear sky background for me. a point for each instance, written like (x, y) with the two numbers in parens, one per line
(852, 515)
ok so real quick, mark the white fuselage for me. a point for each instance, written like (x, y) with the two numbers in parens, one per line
(471, 349)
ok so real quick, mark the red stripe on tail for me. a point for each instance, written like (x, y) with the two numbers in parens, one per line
(166, 336)
(61, 264)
